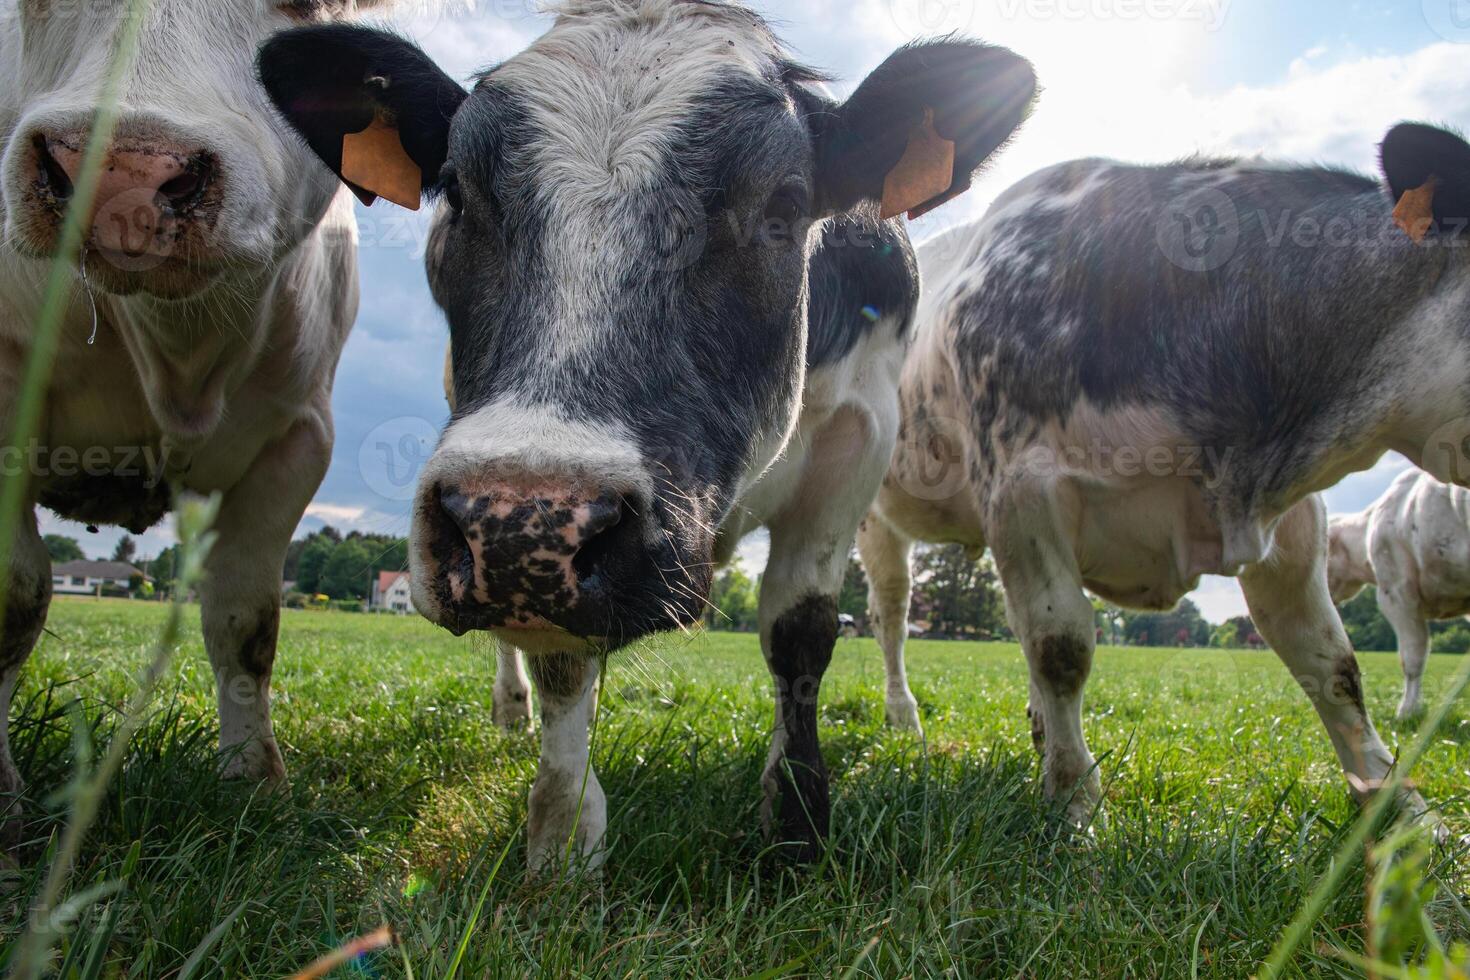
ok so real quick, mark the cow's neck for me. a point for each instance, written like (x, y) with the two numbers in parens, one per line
(190, 353)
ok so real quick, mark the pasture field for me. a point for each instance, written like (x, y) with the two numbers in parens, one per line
(1224, 803)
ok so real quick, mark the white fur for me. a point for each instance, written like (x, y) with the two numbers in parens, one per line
(1413, 543)
(608, 89)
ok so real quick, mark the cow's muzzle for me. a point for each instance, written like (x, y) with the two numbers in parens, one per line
(548, 563)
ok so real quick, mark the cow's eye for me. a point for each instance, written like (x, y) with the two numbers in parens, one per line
(787, 206)
(453, 196)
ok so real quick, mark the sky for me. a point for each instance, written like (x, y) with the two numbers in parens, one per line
(1139, 80)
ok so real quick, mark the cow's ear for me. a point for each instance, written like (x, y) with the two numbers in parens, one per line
(1428, 174)
(918, 128)
(372, 105)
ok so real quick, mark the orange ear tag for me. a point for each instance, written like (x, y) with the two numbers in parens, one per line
(376, 161)
(925, 172)
(1415, 211)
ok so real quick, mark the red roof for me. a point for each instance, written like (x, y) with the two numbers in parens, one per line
(386, 580)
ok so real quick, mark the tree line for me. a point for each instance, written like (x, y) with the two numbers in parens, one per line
(955, 597)
(326, 562)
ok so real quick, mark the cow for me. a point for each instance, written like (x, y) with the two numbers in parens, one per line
(677, 310)
(1127, 377)
(1413, 544)
(213, 294)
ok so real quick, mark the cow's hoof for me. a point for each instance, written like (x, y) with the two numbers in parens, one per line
(1409, 711)
(567, 825)
(903, 714)
(257, 762)
(513, 710)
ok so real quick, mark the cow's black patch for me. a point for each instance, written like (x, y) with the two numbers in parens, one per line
(258, 647)
(1347, 682)
(801, 650)
(863, 272)
(24, 618)
(1064, 662)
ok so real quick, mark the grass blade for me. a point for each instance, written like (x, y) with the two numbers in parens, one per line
(469, 927)
(210, 941)
(1316, 903)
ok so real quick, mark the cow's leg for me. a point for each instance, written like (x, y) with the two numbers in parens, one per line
(28, 595)
(1054, 620)
(1412, 630)
(1288, 599)
(512, 689)
(568, 809)
(241, 593)
(885, 555)
(811, 542)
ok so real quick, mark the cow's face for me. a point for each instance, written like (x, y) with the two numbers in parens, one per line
(621, 253)
(201, 178)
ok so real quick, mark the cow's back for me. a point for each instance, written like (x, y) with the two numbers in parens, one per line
(1092, 283)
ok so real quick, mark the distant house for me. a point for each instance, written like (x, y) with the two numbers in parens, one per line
(391, 593)
(85, 577)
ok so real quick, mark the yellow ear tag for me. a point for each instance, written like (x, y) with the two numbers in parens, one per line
(376, 161)
(925, 172)
(1415, 211)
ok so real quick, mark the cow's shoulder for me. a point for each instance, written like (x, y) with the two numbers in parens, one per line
(864, 277)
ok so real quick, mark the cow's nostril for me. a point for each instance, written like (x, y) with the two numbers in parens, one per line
(53, 175)
(459, 508)
(188, 187)
(613, 539)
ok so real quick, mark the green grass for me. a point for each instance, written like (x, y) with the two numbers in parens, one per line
(1223, 806)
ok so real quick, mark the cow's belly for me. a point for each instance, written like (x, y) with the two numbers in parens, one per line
(1142, 545)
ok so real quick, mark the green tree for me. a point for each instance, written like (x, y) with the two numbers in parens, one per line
(734, 601)
(1109, 619)
(1226, 637)
(313, 560)
(1183, 627)
(853, 599)
(348, 573)
(958, 596)
(1366, 627)
(62, 548)
(125, 551)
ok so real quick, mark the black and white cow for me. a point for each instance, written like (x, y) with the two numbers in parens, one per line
(623, 255)
(1413, 544)
(222, 265)
(1128, 377)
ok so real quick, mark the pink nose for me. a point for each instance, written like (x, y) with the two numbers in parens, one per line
(145, 191)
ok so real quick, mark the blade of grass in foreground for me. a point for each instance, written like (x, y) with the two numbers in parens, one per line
(195, 518)
(1345, 857)
(46, 333)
